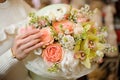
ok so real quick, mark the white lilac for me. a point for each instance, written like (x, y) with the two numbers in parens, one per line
(109, 48)
(86, 10)
(67, 42)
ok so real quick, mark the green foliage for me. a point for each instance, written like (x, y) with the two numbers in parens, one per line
(54, 33)
(77, 45)
(33, 18)
(54, 68)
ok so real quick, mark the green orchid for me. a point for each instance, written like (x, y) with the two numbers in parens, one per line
(89, 46)
(77, 46)
(86, 63)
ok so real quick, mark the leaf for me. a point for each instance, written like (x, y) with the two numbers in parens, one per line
(77, 37)
(54, 33)
(84, 46)
(86, 63)
(100, 46)
(92, 54)
(54, 68)
(87, 27)
(93, 37)
(77, 45)
(86, 23)
(84, 35)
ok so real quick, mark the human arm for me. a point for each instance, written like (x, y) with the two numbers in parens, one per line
(6, 59)
(6, 62)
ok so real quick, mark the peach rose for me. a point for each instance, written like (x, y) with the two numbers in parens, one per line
(66, 25)
(46, 37)
(52, 53)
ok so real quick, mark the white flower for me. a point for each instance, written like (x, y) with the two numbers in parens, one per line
(99, 53)
(67, 31)
(78, 29)
(67, 42)
(51, 17)
(60, 35)
(69, 64)
(58, 14)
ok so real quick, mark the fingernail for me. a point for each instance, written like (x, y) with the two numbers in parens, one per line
(41, 43)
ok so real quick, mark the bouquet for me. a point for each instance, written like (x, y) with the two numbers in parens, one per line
(72, 44)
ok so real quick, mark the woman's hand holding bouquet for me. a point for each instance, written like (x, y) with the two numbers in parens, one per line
(27, 41)
(69, 44)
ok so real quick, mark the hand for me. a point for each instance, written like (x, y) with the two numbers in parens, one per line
(25, 43)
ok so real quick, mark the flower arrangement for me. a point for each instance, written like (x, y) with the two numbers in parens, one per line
(72, 36)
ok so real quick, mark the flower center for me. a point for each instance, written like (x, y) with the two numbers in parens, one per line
(91, 44)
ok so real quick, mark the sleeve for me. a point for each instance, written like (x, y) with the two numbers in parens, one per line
(7, 61)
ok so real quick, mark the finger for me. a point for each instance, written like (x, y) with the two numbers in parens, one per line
(29, 44)
(28, 39)
(22, 30)
(33, 47)
(34, 31)
(30, 28)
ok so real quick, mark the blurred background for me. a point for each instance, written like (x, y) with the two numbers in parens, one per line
(108, 14)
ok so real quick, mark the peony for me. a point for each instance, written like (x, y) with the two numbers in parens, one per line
(46, 37)
(52, 53)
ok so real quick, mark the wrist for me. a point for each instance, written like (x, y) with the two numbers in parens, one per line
(14, 55)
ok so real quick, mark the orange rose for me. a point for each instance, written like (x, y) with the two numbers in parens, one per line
(66, 25)
(52, 53)
(46, 37)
